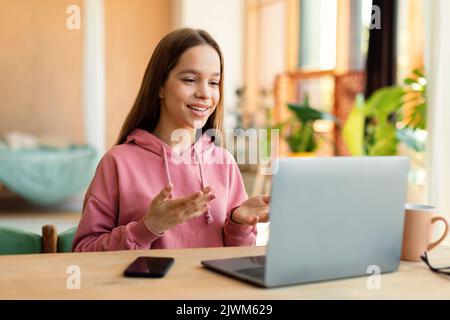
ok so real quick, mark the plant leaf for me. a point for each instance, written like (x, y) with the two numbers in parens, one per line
(386, 141)
(353, 131)
(306, 113)
(385, 101)
(418, 73)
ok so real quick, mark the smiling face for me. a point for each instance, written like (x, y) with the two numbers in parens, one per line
(192, 91)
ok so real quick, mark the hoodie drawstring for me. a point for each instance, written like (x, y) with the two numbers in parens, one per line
(166, 166)
(208, 217)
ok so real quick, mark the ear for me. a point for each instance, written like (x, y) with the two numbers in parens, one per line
(161, 93)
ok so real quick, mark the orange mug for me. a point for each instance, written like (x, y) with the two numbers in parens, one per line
(417, 231)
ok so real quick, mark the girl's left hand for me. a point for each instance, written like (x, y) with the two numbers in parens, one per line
(252, 211)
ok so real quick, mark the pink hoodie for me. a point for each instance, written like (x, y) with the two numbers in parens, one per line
(131, 174)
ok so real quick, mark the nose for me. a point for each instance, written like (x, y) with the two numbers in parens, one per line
(203, 91)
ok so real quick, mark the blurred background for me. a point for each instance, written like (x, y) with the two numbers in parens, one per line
(336, 77)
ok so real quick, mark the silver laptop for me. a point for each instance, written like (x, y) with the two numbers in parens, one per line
(330, 218)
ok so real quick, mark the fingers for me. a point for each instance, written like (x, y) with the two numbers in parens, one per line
(204, 194)
(264, 217)
(264, 209)
(265, 198)
(260, 216)
(192, 205)
(264, 214)
(199, 206)
(163, 194)
(254, 220)
(206, 190)
(185, 200)
(194, 211)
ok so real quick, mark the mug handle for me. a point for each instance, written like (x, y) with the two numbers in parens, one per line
(433, 245)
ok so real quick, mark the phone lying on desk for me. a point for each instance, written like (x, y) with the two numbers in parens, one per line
(149, 267)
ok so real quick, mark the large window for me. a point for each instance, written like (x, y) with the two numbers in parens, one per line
(319, 35)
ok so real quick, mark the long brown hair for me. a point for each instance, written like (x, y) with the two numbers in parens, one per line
(147, 108)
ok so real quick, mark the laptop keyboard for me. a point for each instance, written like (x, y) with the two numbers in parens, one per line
(257, 272)
(260, 260)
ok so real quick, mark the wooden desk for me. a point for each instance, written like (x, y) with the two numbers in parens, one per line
(44, 277)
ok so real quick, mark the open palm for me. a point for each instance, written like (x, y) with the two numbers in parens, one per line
(252, 211)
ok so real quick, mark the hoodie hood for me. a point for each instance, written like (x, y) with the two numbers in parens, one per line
(150, 142)
(194, 154)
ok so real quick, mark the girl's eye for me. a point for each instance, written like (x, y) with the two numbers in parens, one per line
(192, 80)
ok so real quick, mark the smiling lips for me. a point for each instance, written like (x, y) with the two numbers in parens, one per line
(198, 110)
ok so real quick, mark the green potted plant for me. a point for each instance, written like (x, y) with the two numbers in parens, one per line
(389, 116)
(299, 132)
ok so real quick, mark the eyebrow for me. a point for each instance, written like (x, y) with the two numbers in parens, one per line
(196, 72)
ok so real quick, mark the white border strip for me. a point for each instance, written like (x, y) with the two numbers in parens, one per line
(94, 74)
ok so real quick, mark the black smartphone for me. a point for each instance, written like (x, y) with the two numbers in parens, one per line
(149, 267)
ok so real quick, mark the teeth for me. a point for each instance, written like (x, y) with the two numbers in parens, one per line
(196, 108)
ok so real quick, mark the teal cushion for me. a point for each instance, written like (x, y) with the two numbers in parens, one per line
(17, 241)
(65, 240)
(47, 175)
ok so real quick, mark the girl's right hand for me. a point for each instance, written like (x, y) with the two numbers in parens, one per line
(165, 213)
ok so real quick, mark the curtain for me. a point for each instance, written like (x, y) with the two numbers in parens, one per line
(381, 66)
(437, 68)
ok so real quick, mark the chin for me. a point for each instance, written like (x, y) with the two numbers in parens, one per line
(198, 124)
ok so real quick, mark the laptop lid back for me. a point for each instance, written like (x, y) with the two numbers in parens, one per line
(335, 217)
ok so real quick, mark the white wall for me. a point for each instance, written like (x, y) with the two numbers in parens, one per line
(94, 75)
(272, 43)
(437, 67)
(318, 34)
(224, 20)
